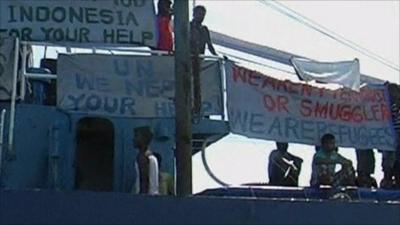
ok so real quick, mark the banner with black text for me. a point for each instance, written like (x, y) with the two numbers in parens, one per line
(83, 22)
(129, 86)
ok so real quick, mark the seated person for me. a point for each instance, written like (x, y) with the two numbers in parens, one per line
(324, 163)
(283, 167)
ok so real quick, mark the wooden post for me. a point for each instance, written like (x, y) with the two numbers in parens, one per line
(183, 99)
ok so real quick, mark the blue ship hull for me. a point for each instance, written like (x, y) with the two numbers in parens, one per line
(52, 207)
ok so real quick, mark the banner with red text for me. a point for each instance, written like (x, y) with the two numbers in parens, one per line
(264, 107)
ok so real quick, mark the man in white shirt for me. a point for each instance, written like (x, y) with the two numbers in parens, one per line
(146, 163)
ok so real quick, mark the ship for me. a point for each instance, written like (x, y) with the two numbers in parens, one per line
(66, 151)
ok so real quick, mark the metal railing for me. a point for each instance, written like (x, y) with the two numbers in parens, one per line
(205, 163)
(111, 50)
(2, 123)
(11, 150)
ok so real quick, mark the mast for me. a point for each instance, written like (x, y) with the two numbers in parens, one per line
(183, 99)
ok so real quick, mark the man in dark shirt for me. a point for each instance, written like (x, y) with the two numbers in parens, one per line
(365, 167)
(283, 167)
(199, 34)
(391, 159)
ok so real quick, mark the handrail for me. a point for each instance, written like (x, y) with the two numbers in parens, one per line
(221, 63)
(28, 75)
(205, 164)
(40, 76)
(79, 45)
(23, 71)
(133, 49)
(2, 121)
(11, 150)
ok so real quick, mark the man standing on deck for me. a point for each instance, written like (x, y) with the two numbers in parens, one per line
(199, 34)
(199, 37)
(283, 167)
(324, 163)
(391, 159)
(146, 163)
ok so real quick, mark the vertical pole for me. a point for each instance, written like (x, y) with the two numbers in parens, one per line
(183, 99)
(23, 71)
(11, 150)
(2, 121)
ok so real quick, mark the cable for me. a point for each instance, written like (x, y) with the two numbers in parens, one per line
(327, 32)
(334, 33)
(335, 36)
(311, 24)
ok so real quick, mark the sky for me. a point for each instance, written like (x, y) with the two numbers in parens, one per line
(371, 24)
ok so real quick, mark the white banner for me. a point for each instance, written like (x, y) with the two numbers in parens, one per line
(346, 73)
(7, 53)
(263, 107)
(83, 22)
(129, 86)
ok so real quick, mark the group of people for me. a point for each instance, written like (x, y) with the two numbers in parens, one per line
(199, 39)
(284, 168)
(199, 33)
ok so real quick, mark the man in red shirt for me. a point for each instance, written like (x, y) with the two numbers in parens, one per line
(165, 37)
